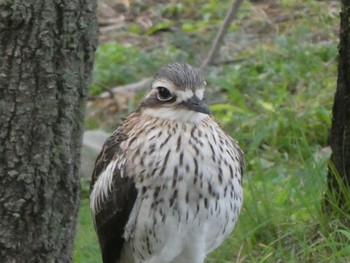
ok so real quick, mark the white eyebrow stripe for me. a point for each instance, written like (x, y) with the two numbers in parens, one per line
(163, 83)
(200, 93)
(184, 95)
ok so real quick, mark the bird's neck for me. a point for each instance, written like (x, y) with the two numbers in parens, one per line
(178, 115)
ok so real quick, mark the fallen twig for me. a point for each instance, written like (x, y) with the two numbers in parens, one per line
(133, 87)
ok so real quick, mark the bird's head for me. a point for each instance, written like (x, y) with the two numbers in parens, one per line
(176, 94)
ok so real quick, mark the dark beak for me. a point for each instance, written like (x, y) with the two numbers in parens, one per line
(196, 104)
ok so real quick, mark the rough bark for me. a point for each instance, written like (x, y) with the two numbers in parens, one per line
(337, 197)
(46, 56)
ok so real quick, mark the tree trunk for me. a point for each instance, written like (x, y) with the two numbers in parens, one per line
(46, 59)
(338, 198)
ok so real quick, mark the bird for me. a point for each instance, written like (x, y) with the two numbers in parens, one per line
(167, 184)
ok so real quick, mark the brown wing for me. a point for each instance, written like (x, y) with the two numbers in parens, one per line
(109, 150)
(113, 213)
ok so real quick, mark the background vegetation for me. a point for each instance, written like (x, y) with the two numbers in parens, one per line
(271, 88)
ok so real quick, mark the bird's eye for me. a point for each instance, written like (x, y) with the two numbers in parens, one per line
(164, 94)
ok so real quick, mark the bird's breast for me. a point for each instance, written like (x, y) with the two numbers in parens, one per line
(198, 160)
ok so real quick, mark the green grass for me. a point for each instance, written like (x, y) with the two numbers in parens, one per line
(276, 101)
(86, 243)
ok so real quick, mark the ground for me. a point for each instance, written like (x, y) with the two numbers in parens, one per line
(271, 87)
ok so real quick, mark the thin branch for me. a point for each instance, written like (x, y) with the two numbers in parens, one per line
(109, 91)
(230, 16)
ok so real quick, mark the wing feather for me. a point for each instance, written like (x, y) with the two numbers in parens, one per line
(115, 202)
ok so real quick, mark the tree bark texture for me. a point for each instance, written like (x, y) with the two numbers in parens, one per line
(46, 59)
(339, 168)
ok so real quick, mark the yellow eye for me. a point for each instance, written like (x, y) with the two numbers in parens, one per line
(164, 94)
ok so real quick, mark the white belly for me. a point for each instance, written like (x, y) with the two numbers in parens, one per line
(181, 234)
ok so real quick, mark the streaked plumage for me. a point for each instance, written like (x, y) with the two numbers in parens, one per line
(167, 184)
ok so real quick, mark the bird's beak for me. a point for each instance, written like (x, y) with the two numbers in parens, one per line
(196, 104)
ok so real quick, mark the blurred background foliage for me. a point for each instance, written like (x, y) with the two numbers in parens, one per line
(271, 87)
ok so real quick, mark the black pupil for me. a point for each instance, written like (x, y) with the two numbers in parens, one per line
(164, 93)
